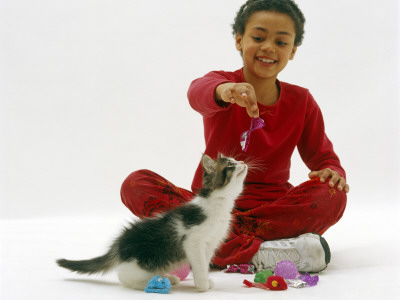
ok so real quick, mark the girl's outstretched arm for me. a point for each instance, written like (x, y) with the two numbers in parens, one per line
(218, 90)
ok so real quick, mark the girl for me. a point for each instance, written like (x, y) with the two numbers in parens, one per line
(273, 220)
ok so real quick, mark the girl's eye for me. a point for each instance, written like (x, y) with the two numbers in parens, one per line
(280, 43)
(257, 38)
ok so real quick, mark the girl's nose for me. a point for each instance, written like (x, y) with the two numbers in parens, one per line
(268, 46)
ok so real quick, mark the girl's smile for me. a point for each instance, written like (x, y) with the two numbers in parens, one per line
(266, 45)
(266, 61)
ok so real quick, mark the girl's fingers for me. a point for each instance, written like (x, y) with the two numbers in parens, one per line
(243, 95)
(251, 104)
(228, 97)
(324, 174)
(335, 177)
(249, 112)
(341, 184)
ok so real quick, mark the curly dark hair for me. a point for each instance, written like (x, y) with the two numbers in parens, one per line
(287, 7)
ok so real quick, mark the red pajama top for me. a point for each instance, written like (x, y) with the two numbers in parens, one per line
(294, 120)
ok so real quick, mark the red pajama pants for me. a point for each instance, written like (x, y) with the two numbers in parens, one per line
(258, 216)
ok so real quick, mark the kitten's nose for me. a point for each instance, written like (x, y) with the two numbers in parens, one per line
(242, 165)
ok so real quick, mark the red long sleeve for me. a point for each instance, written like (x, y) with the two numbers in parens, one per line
(295, 120)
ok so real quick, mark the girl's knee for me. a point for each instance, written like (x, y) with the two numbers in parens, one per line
(132, 190)
(138, 175)
(334, 204)
(146, 193)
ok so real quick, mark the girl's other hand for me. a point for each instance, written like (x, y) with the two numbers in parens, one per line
(242, 94)
(334, 176)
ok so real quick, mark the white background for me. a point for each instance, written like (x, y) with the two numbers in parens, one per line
(93, 90)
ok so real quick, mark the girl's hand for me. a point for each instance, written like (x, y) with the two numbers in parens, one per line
(335, 179)
(242, 94)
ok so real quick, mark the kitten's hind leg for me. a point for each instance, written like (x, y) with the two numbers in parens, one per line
(132, 276)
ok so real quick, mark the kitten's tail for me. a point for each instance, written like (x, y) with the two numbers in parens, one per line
(101, 264)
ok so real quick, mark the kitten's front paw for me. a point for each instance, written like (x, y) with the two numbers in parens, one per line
(173, 279)
(205, 285)
(211, 284)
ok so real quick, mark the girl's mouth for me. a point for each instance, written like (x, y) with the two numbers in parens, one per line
(266, 61)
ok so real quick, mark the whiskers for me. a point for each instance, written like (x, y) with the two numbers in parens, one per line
(255, 165)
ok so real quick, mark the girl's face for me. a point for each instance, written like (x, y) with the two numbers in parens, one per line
(266, 45)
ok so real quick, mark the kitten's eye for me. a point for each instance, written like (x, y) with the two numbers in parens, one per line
(231, 164)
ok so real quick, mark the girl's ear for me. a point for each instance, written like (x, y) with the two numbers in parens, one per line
(238, 42)
(291, 57)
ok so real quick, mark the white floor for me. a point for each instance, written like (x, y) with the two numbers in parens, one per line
(365, 261)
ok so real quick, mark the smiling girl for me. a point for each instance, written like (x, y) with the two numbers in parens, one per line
(273, 220)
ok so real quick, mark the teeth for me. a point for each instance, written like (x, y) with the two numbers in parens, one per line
(269, 61)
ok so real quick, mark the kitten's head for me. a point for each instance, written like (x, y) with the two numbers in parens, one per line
(222, 172)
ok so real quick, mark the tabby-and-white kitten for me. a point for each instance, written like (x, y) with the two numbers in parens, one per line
(187, 234)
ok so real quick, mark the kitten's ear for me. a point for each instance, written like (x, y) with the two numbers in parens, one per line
(220, 155)
(208, 164)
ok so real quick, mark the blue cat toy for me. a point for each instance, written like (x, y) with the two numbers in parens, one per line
(158, 284)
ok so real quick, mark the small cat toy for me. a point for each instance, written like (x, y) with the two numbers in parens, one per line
(158, 285)
(284, 275)
(245, 137)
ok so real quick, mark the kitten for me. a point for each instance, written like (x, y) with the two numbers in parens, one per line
(187, 234)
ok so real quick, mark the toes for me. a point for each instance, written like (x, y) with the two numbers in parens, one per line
(173, 279)
(205, 285)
